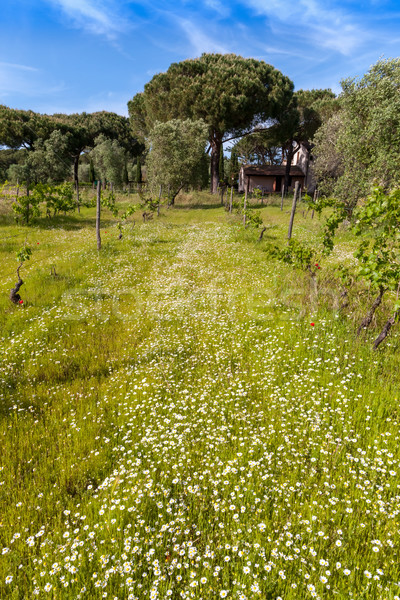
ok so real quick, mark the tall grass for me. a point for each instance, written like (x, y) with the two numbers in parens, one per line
(173, 426)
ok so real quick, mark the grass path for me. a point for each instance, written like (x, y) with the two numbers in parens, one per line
(173, 428)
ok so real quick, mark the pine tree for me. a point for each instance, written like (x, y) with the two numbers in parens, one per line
(221, 165)
(230, 93)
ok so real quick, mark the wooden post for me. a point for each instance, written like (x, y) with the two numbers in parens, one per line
(159, 201)
(98, 209)
(296, 191)
(231, 199)
(245, 201)
(315, 198)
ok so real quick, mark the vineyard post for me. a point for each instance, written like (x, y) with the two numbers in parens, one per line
(98, 209)
(296, 191)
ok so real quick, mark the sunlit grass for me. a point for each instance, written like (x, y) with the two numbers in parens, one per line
(173, 426)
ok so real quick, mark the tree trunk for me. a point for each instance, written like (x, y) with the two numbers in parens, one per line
(216, 144)
(230, 201)
(159, 201)
(366, 322)
(296, 191)
(263, 230)
(76, 181)
(98, 209)
(289, 158)
(172, 200)
(385, 331)
(14, 295)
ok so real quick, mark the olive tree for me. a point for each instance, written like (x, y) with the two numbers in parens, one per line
(176, 155)
(358, 147)
(109, 160)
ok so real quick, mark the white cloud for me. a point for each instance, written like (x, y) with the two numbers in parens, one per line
(199, 40)
(329, 28)
(97, 17)
(218, 6)
(8, 65)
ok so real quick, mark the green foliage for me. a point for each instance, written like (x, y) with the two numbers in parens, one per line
(26, 207)
(92, 172)
(23, 127)
(252, 215)
(379, 255)
(24, 254)
(138, 172)
(108, 201)
(299, 119)
(298, 254)
(358, 147)
(260, 147)
(176, 155)
(109, 159)
(233, 167)
(58, 198)
(20, 172)
(228, 92)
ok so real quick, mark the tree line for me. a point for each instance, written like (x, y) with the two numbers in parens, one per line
(181, 122)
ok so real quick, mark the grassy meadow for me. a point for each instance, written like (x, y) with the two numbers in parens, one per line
(183, 417)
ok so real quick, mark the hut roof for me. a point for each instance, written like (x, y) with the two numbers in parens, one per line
(272, 170)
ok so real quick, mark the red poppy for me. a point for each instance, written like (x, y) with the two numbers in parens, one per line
(37, 243)
(312, 324)
(21, 301)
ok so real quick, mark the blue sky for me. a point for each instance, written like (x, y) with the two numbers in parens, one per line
(88, 55)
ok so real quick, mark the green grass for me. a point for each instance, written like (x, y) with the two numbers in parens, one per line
(172, 426)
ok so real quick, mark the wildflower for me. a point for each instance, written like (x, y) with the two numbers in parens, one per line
(367, 574)
(21, 301)
(9, 579)
(223, 593)
(346, 571)
(312, 324)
